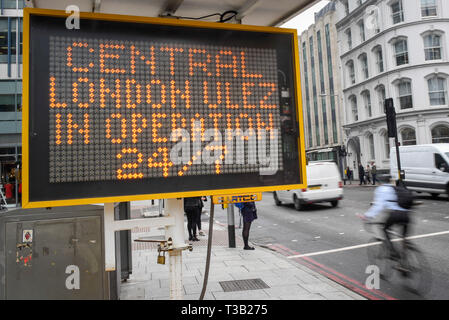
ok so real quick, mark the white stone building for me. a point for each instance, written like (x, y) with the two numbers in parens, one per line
(393, 49)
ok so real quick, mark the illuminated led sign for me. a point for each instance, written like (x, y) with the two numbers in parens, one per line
(136, 108)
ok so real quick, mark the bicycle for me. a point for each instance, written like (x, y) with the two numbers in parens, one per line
(407, 260)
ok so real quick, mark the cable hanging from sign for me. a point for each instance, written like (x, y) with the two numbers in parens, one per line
(224, 17)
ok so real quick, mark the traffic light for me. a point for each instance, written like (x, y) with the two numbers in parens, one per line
(391, 118)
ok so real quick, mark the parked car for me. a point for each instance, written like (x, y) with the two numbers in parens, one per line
(426, 167)
(324, 185)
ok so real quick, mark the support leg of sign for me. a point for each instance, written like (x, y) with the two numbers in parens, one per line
(175, 209)
(109, 237)
(231, 225)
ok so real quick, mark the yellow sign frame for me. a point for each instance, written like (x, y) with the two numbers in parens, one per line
(26, 203)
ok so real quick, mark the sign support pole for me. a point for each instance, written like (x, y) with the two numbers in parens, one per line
(231, 225)
(109, 237)
(175, 209)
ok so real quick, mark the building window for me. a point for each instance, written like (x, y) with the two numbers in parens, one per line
(386, 141)
(308, 110)
(405, 94)
(440, 134)
(7, 30)
(351, 71)
(381, 96)
(379, 59)
(361, 25)
(331, 84)
(364, 62)
(429, 8)
(346, 4)
(314, 94)
(322, 87)
(10, 4)
(372, 153)
(397, 12)
(7, 103)
(367, 101)
(320, 62)
(408, 137)
(349, 38)
(437, 91)
(432, 47)
(355, 112)
(401, 52)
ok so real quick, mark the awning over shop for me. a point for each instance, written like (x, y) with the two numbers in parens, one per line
(252, 12)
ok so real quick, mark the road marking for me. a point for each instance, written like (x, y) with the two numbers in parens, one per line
(366, 245)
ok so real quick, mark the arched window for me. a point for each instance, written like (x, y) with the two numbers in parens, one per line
(437, 91)
(405, 94)
(440, 134)
(432, 47)
(363, 58)
(429, 8)
(397, 11)
(381, 96)
(386, 144)
(408, 136)
(354, 110)
(378, 54)
(372, 155)
(401, 52)
(367, 101)
(351, 71)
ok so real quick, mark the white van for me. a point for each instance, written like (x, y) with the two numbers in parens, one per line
(426, 167)
(324, 185)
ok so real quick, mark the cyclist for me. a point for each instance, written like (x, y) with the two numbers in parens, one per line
(386, 200)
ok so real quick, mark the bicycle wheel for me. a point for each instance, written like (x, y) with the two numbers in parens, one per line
(379, 255)
(415, 271)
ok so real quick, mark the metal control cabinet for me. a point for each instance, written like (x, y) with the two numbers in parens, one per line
(55, 253)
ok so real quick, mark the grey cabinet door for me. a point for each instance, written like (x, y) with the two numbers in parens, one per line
(63, 261)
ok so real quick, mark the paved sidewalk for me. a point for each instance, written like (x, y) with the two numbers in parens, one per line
(285, 279)
(355, 184)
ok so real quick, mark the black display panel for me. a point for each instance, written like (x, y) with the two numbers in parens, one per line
(119, 108)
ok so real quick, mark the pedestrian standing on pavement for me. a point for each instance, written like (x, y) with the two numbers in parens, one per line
(200, 230)
(350, 175)
(249, 214)
(361, 174)
(374, 173)
(192, 208)
(368, 174)
(9, 190)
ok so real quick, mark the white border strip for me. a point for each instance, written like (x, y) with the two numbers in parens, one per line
(366, 245)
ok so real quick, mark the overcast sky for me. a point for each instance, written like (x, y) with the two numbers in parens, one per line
(304, 20)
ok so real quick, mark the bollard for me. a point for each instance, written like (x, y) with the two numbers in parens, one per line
(231, 226)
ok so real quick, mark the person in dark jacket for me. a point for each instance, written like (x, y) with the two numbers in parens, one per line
(361, 174)
(249, 214)
(192, 208)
